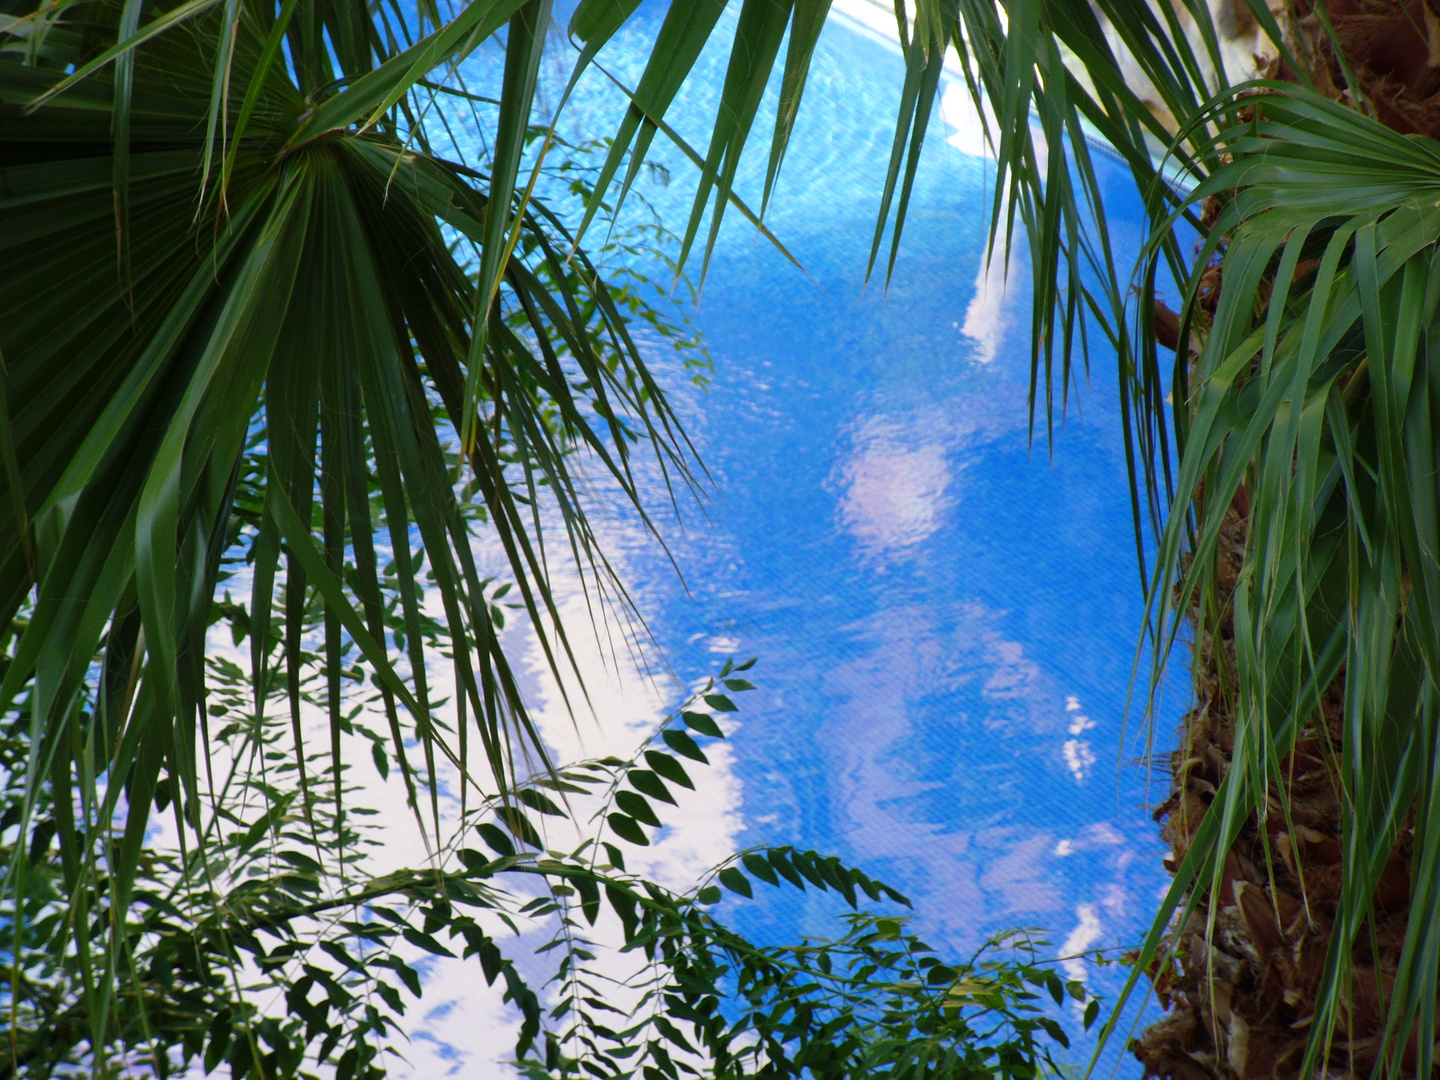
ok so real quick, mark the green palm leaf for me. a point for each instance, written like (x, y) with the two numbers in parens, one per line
(1316, 401)
(305, 306)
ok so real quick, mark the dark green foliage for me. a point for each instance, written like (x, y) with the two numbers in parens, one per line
(222, 224)
(280, 909)
(246, 269)
(241, 336)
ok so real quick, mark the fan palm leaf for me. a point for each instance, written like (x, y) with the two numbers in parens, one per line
(208, 252)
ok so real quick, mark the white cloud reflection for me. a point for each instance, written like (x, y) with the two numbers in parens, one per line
(895, 487)
(967, 131)
(1079, 755)
(465, 1029)
(1085, 935)
(970, 854)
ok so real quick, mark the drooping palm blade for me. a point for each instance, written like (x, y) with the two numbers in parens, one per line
(1318, 402)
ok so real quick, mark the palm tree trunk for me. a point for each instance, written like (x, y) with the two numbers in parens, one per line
(1241, 994)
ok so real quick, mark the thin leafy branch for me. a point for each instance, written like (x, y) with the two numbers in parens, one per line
(275, 955)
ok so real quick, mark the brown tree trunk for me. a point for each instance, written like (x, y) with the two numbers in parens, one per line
(1241, 997)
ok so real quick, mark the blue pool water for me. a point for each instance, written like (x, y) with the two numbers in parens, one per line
(946, 613)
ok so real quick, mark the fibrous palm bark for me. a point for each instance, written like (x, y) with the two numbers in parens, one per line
(1241, 990)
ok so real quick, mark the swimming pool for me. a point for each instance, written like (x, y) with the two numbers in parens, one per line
(944, 612)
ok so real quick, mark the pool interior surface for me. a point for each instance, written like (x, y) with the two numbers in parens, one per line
(945, 609)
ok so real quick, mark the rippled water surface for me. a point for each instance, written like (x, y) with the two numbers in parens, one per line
(945, 612)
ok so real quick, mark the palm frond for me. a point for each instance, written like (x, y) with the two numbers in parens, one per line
(1313, 403)
(302, 300)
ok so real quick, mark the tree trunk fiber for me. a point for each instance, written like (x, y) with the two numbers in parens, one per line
(1240, 996)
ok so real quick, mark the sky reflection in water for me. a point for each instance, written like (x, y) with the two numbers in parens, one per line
(945, 612)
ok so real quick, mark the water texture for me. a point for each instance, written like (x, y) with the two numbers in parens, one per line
(946, 610)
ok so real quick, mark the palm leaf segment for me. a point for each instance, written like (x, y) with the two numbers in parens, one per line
(313, 312)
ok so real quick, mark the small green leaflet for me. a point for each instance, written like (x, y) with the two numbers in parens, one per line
(627, 828)
(735, 881)
(495, 839)
(760, 868)
(704, 723)
(669, 768)
(636, 806)
(684, 745)
(426, 942)
(646, 781)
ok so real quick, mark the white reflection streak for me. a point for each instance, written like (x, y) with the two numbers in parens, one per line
(1085, 934)
(957, 110)
(1079, 755)
(987, 318)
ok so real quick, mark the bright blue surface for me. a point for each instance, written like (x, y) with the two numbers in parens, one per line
(937, 603)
